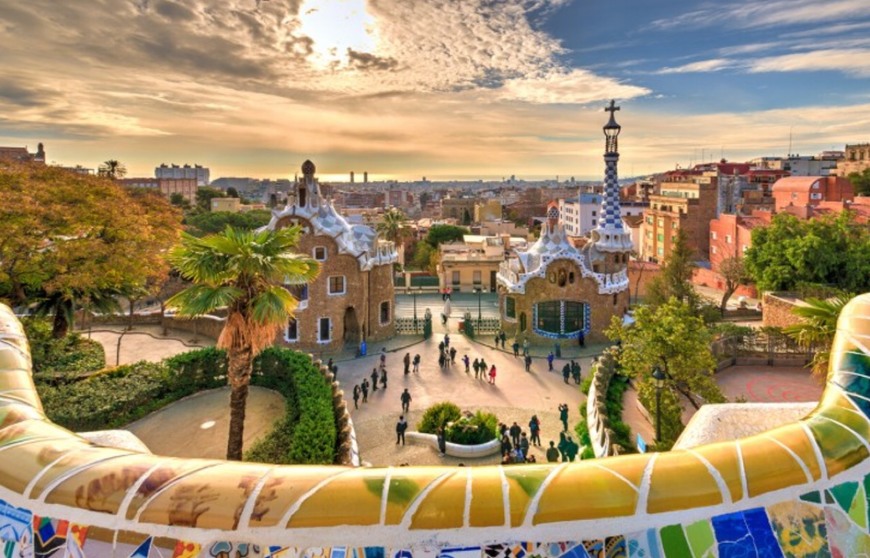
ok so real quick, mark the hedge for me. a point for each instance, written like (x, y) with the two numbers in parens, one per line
(61, 360)
(112, 398)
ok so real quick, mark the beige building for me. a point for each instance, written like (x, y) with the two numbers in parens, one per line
(353, 298)
(857, 159)
(461, 209)
(232, 205)
(489, 210)
(680, 205)
(472, 263)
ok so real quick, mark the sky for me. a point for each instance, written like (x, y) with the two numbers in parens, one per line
(438, 88)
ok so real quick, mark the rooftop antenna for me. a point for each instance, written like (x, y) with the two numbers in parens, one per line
(789, 140)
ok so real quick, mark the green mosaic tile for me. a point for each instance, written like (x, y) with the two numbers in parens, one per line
(812, 497)
(844, 494)
(858, 511)
(674, 542)
(701, 538)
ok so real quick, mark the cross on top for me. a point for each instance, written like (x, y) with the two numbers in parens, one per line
(612, 108)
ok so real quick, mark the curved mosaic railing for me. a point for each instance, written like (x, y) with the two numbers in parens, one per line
(800, 489)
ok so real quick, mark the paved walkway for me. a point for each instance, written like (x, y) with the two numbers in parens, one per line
(144, 343)
(198, 426)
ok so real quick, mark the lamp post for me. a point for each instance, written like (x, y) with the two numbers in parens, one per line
(659, 380)
(479, 291)
(414, 296)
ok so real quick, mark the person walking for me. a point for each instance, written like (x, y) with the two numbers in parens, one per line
(406, 401)
(563, 416)
(383, 356)
(446, 339)
(492, 375)
(575, 371)
(416, 364)
(503, 337)
(406, 360)
(365, 391)
(535, 430)
(442, 440)
(563, 446)
(525, 347)
(528, 361)
(401, 426)
(384, 378)
(571, 448)
(515, 432)
(452, 355)
(552, 453)
(483, 369)
(467, 362)
(566, 372)
(356, 394)
(441, 347)
(550, 358)
(476, 366)
(374, 377)
(516, 347)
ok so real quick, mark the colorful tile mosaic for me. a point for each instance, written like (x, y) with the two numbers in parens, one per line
(802, 490)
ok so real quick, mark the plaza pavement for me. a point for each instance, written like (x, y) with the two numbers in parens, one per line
(515, 397)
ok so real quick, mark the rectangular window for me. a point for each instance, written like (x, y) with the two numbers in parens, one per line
(300, 293)
(510, 307)
(727, 239)
(649, 220)
(550, 316)
(385, 312)
(816, 196)
(713, 250)
(324, 330)
(594, 221)
(713, 235)
(320, 253)
(744, 248)
(291, 334)
(660, 237)
(336, 285)
(477, 277)
(594, 213)
(455, 278)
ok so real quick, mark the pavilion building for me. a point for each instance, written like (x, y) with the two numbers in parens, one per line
(555, 290)
(352, 299)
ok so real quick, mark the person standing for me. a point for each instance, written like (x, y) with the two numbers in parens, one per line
(516, 347)
(406, 360)
(406, 401)
(383, 356)
(524, 444)
(552, 453)
(446, 339)
(571, 448)
(401, 426)
(365, 391)
(356, 393)
(528, 361)
(563, 446)
(492, 373)
(467, 362)
(416, 364)
(374, 377)
(563, 416)
(503, 336)
(515, 432)
(384, 378)
(550, 358)
(452, 355)
(525, 347)
(535, 430)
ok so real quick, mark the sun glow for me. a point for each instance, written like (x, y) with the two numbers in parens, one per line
(336, 26)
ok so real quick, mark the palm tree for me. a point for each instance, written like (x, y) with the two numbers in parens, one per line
(113, 169)
(242, 271)
(817, 328)
(392, 227)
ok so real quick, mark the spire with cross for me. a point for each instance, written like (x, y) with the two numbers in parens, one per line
(610, 234)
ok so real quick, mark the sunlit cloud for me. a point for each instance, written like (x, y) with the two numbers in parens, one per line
(713, 65)
(748, 14)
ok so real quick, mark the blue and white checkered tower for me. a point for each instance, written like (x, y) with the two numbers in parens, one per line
(611, 234)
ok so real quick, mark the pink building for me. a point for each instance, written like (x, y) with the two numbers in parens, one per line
(796, 192)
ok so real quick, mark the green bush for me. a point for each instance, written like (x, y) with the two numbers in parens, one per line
(60, 360)
(107, 400)
(582, 431)
(586, 384)
(438, 415)
(307, 433)
(587, 453)
(471, 430)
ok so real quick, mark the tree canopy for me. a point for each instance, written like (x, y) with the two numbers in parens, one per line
(675, 277)
(439, 234)
(202, 224)
(791, 252)
(77, 239)
(861, 182)
(673, 338)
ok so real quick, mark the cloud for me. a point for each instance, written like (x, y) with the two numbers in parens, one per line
(575, 86)
(367, 61)
(749, 14)
(713, 65)
(854, 62)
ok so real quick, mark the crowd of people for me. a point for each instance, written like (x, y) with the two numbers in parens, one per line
(516, 443)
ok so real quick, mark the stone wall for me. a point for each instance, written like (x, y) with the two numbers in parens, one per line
(777, 310)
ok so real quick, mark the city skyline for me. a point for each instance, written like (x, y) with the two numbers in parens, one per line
(441, 89)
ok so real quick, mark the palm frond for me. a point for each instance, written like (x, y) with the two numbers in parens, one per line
(274, 305)
(201, 299)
